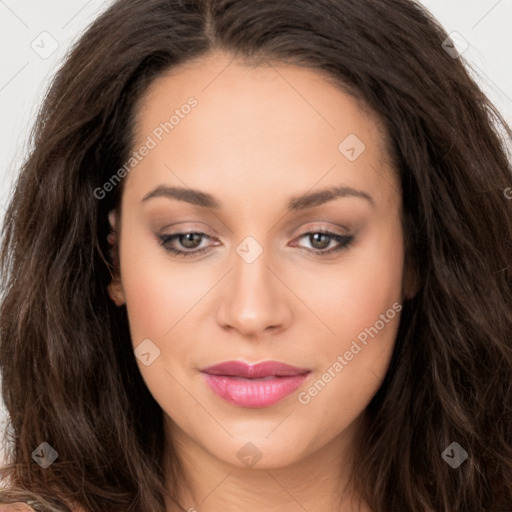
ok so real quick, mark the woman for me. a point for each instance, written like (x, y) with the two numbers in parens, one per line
(258, 245)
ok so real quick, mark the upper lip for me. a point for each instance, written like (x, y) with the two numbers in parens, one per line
(254, 371)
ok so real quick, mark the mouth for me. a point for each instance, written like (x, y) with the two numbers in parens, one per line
(254, 386)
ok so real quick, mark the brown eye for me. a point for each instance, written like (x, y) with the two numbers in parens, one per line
(191, 241)
(321, 240)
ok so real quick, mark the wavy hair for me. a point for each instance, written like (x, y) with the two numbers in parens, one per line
(69, 375)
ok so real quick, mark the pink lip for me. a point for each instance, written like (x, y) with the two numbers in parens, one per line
(241, 384)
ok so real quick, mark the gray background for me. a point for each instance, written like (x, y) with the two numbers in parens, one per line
(30, 30)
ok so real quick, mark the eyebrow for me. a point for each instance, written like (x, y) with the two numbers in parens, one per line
(196, 197)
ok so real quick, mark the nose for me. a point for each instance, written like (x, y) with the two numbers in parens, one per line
(254, 301)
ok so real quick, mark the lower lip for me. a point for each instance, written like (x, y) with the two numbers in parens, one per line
(254, 392)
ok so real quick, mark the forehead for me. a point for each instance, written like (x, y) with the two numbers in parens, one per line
(272, 123)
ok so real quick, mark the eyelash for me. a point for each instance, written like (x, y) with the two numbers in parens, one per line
(344, 242)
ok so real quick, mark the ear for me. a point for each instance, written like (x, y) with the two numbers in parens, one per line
(116, 292)
(115, 287)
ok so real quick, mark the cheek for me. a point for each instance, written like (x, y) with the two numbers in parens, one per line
(159, 302)
(351, 295)
(157, 295)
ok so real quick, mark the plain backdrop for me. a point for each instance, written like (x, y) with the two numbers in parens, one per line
(35, 36)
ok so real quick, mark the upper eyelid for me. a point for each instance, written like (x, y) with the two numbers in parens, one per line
(208, 235)
(314, 229)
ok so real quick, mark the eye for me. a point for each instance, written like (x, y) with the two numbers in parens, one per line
(321, 240)
(190, 240)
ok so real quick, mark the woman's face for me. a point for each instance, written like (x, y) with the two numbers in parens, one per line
(250, 156)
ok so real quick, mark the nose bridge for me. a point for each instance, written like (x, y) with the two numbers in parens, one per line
(254, 299)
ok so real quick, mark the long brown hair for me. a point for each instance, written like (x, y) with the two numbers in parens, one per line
(69, 373)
